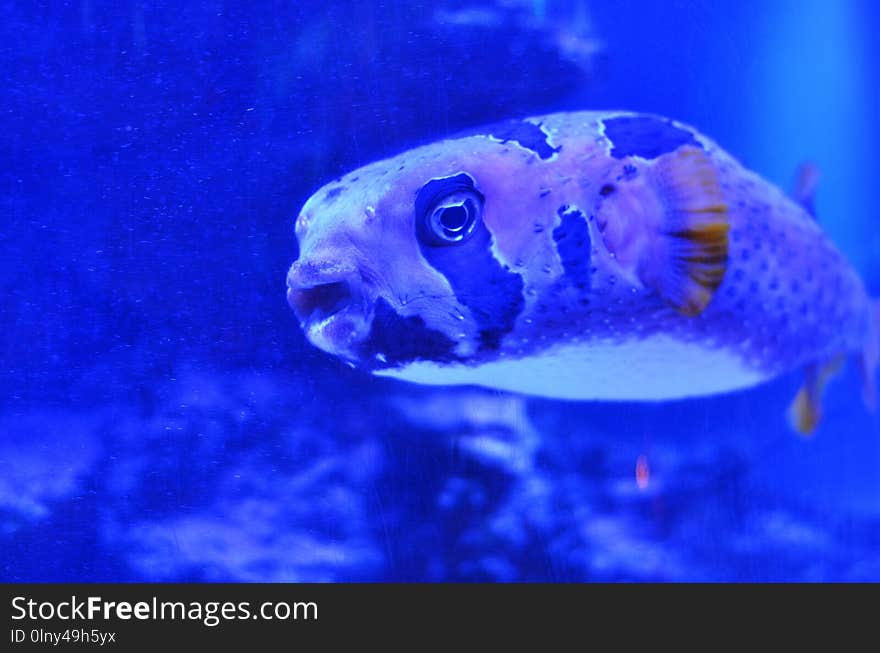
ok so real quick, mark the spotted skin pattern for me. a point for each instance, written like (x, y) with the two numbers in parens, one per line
(565, 259)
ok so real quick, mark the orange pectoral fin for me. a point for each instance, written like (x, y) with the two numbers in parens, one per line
(693, 237)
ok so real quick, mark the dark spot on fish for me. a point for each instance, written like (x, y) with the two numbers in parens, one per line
(544, 193)
(607, 190)
(630, 172)
(645, 136)
(333, 193)
(522, 132)
(573, 245)
(491, 338)
(493, 294)
(401, 340)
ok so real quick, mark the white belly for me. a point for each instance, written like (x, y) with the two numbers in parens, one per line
(652, 369)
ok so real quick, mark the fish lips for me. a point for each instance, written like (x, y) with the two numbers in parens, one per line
(336, 316)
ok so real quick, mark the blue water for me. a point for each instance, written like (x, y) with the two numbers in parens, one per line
(161, 416)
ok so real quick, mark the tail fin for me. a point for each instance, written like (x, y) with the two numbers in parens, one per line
(869, 358)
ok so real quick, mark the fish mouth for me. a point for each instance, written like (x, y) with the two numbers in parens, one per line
(334, 315)
(320, 303)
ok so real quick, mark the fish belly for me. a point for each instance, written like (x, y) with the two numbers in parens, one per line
(651, 369)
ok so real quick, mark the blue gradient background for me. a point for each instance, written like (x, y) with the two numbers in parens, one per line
(161, 418)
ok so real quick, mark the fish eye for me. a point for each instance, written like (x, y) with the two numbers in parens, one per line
(448, 210)
(455, 218)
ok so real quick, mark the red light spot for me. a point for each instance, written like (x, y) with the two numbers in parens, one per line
(643, 472)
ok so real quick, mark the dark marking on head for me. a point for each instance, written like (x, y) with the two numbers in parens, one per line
(522, 132)
(491, 291)
(402, 340)
(645, 136)
(572, 238)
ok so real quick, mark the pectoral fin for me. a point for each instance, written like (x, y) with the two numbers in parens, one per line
(693, 251)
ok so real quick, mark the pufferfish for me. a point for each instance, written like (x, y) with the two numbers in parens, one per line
(581, 255)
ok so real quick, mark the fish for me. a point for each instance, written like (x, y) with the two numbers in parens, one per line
(610, 256)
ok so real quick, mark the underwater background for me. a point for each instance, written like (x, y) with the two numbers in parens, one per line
(163, 419)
